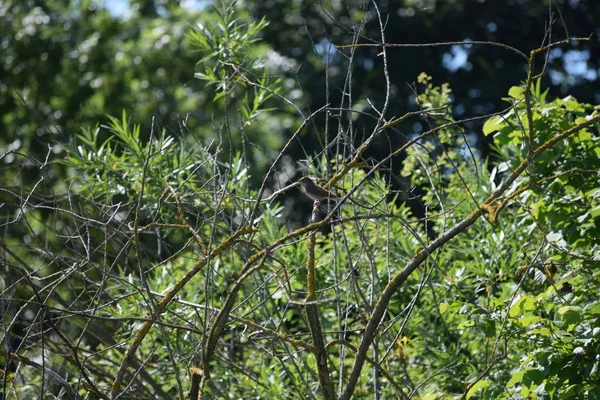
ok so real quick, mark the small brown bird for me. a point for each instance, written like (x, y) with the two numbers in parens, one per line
(314, 191)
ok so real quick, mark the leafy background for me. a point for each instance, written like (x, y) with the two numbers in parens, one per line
(135, 144)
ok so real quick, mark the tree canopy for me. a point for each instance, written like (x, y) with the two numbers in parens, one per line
(156, 243)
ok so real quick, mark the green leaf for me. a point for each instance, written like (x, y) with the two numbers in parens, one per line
(516, 92)
(540, 331)
(516, 378)
(571, 104)
(594, 309)
(466, 324)
(489, 327)
(479, 385)
(570, 315)
(571, 392)
(493, 124)
(594, 212)
(532, 376)
(525, 303)
(530, 320)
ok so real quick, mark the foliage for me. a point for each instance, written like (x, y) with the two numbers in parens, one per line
(68, 64)
(171, 265)
(478, 73)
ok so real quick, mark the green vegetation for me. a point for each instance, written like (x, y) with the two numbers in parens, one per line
(147, 253)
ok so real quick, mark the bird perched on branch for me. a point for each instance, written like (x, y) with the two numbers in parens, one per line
(316, 192)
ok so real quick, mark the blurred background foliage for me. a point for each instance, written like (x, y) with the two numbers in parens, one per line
(69, 64)
(208, 86)
(478, 74)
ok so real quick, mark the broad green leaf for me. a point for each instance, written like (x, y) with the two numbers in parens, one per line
(594, 309)
(571, 392)
(530, 320)
(479, 385)
(516, 92)
(525, 303)
(532, 376)
(489, 327)
(516, 378)
(570, 315)
(493, 124)
(571, 104)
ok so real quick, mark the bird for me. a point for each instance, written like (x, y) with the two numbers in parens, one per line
(316, 192)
